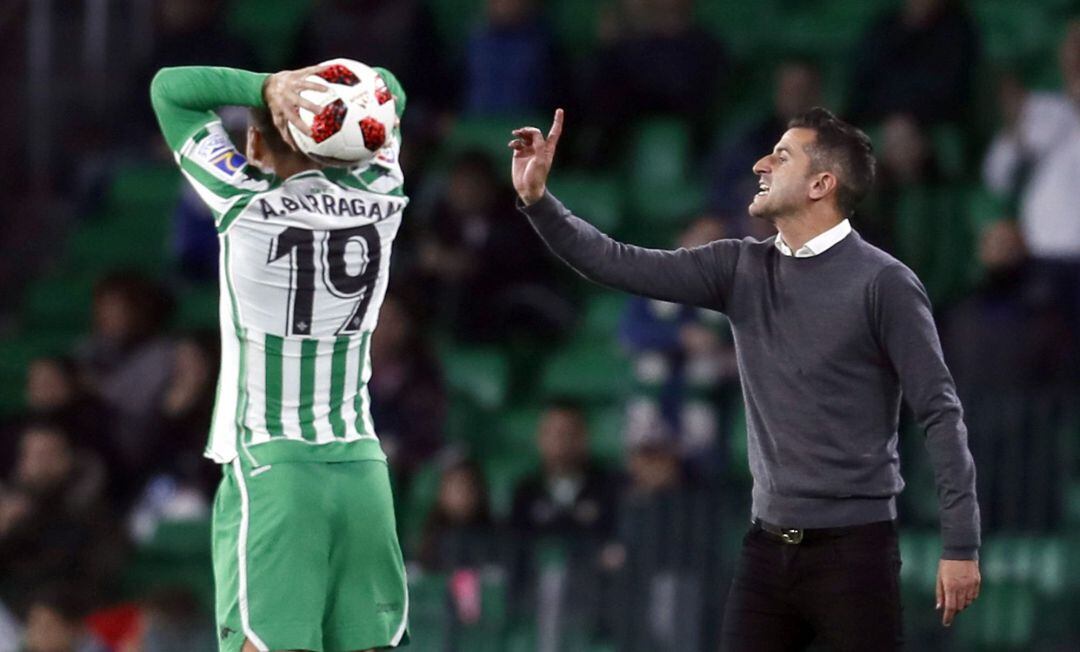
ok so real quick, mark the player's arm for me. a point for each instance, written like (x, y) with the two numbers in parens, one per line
(185, 98)
(701, 276)
(906, 331)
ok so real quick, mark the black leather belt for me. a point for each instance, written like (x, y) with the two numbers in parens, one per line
(790, 535)
(794, 536)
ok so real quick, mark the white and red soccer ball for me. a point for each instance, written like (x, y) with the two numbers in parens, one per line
(357, 119)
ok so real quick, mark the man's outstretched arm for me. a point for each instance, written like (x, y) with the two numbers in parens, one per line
(701, 276)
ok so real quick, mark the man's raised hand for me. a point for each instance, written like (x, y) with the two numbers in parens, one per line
(533, 155)
(281, 91)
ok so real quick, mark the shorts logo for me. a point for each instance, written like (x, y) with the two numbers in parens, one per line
(226, 632)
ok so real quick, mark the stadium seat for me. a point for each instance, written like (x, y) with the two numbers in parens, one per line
(489, 135)
(178, 554)
(662, 189)
(576, 24)
(455, 19)
(1012, 31)
(479, 373)
(603, 313)
(197, 307)
(588, 370)
(1003, 618)
(59, 303)
(598, 199)
(270, 27)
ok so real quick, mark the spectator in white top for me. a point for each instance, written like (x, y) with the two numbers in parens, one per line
(1036, 159)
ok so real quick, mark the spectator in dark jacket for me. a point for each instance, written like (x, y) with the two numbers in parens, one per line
(918, 60)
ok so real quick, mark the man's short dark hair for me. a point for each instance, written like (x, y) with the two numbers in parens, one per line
(842, 149)
(264, 123)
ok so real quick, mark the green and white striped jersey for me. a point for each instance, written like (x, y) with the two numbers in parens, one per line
(304, 267)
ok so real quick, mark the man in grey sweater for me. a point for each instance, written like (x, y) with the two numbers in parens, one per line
(829, 331)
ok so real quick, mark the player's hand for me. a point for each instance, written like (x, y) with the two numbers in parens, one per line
(281, 91)
(532, 159)
(958, 584)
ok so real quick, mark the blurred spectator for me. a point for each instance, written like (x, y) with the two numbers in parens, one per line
(511, 64)
(53, 523)
(186, 409)
(1017, 366)
(797, 88)
(54, 393)
(55, 623)
(563, 516)
(656, 61)
(571, 497)
(918, 215)
(399, 36)
(1034, 162)
(459, 530)
(683, 356)
(664, 561)
(187, 32)
(918, 60)
(408, 399)
(483, 264)
(127, 361)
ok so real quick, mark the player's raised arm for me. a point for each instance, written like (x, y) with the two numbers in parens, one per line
(701, 276)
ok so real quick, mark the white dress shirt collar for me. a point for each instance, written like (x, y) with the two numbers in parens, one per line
(818, 244)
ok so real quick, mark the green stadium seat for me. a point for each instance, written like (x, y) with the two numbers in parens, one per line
(490, 135)
(661, 186)
(178, 554)
(576, 24)
(1003, 618)
(598, 199)
(588, 370)
(481, 374)
(270, 27)
(606, 429)
(58, 303)
(603, 312)
(1011, 31)
(455, 19)
(503, 473)
(198, 308)
(137, 189)
(428, 613)
(417, 501)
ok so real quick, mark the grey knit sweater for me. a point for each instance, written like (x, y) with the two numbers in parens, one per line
(826, 345)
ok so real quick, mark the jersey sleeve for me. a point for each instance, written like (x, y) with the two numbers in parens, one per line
(184, 100)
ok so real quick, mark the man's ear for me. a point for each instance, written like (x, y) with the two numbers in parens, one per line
(822, 184)
(255, 147)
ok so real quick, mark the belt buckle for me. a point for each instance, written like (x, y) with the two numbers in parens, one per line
(791, 535)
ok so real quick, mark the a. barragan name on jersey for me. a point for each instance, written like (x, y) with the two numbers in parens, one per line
(328, 204)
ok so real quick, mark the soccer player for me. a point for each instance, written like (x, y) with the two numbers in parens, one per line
(305, 551)
(829, 331)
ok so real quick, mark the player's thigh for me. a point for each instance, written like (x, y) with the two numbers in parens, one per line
(271, 543)
(368, 602)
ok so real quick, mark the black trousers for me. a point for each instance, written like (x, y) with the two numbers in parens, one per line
(839, 587)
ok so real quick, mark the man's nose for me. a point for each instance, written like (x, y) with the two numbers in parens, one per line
(762, 166)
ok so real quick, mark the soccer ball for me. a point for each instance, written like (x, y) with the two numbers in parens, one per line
(357, 119)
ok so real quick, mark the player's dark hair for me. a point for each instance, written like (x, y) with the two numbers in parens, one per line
(843, 149)
(262, 121)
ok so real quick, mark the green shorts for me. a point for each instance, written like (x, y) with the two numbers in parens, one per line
(306, 557)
